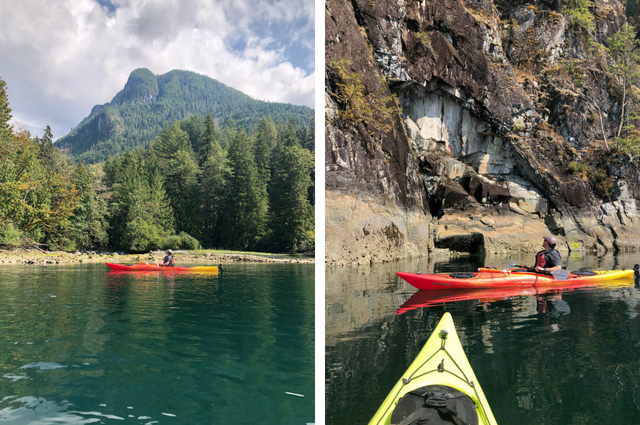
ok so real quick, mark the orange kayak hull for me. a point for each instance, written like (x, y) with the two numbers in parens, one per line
(144, 267)
(507, 279)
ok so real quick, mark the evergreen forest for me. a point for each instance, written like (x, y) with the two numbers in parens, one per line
(195, 185)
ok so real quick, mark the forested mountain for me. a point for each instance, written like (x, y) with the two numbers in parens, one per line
(137, 114)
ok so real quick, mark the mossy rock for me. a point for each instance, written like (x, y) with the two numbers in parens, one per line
(575, 246)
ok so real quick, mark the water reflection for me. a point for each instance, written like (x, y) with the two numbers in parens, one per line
(422, 299)
(552, 306)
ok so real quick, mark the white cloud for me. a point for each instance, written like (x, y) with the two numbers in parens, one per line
(61, 58)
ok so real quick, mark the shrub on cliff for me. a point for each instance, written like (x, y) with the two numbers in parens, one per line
(578, 11)
(374, 109)
(579, 168)
(599, 179)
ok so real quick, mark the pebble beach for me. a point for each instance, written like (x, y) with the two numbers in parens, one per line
(41, 257)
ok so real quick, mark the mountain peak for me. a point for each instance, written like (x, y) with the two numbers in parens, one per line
(142, 85)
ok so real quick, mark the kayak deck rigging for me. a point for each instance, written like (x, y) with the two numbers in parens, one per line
(440, 366)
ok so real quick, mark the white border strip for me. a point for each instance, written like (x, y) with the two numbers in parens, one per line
(319, 190)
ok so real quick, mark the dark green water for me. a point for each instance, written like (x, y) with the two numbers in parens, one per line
(568, 358)
(79, 344)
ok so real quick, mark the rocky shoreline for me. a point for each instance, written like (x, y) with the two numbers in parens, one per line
(39, 257)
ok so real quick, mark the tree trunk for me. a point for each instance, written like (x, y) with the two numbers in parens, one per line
(624, 102)
(604, 135)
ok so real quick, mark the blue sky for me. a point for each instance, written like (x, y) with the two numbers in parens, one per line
(61, 58)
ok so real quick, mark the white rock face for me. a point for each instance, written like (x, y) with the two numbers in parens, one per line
(629, 207)
(435, 120)
(526, 197)
(451, 169)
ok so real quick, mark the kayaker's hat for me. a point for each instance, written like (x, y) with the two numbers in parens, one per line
(551, 239)
(169, 251)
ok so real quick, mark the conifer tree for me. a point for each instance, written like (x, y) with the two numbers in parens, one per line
(262, 150)
(287, 134)
(141, 217)
(214, 180)
(271, 132)
(209, 137)
(302, 136)
(50, 157)
(228, 134)
(6, 129)
(159, 205)
(307, 140)
(121, 175)
(142, 232)
(186, 181)
(286, 137)
(89, 224)
(246, 200)
(179, 168)
(195, 127)
(292, 219)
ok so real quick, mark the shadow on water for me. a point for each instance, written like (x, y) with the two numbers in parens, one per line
(542, 358)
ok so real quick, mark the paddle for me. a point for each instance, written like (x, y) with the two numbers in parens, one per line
(559, 274)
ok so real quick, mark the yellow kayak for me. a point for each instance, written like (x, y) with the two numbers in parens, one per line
(439, 383)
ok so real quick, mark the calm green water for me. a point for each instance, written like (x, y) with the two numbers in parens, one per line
(568, 358)
(79, 344)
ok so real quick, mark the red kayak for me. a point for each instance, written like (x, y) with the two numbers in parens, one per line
(512, 278)
(436, 297)
(144, 267)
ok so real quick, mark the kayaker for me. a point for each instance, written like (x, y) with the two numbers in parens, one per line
(168, 260)
(548, 259)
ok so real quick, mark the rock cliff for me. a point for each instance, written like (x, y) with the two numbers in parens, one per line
(499, 133)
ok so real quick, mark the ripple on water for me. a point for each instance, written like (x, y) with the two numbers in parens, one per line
(43, 366)
(13, 377)
(32, 409)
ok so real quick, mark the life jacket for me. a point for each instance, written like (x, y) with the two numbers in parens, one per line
(540, 260)
(171, 260)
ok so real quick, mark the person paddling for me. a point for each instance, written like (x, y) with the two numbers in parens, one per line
(168, 260)
(548, 259)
